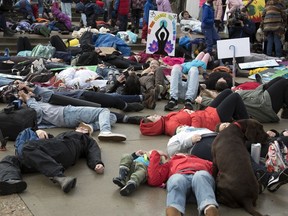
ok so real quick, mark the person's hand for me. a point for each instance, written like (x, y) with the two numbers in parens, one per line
(140, 152)
(23, 96)
(42, 134)
(99, 168)
(198, 100)
(271, 133)
(188, 111)
(196, 138)
(23, 86)
(121, 78)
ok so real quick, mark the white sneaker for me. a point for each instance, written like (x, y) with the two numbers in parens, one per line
(109, 136)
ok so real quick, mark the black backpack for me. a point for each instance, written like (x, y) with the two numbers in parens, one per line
(86, 42)
(88, 58)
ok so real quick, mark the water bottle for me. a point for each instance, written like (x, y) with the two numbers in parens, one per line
(255, 152)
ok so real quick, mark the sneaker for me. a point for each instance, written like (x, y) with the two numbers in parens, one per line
(258, 78)
(129, 188)
(277, 180)
(133, 107)
(211, 210)
(171, 105)
(12, 186)
(109, 136)
(134, 119)
(119, 182)
(188, 104)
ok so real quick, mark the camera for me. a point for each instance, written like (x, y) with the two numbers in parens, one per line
(236, 19)
(15, 105)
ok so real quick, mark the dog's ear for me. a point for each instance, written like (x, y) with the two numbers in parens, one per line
(255, 132)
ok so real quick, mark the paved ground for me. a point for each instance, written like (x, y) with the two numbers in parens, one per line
(97, 195)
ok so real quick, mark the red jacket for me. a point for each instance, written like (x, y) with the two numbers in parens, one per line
(179, 163)
(207, 118)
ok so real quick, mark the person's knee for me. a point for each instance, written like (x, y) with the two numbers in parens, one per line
(202, 175)
(175, 181)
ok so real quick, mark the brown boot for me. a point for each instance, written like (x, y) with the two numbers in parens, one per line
(171, 211)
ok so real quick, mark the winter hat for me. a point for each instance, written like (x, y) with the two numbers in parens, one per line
(152, 128)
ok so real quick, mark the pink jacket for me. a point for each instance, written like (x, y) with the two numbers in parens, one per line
(234, 4)
(164, 5)
(218, 9)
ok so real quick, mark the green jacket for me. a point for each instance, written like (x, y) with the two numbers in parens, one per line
(258, 104)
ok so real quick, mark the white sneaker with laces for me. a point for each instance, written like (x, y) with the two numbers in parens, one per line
(109, 136)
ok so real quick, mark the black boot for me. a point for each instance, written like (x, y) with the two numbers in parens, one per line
(129, 188)
(66, 182)
(12, 186)
(133, 107)
(121, 179)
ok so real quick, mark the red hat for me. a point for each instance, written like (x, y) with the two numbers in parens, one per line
(152, 128)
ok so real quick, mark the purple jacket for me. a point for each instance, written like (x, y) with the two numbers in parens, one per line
(164, 5)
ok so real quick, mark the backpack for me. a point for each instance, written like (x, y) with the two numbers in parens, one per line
(8, 93)
(276, 158)
(22, 68)
(88, 58)
(86, 42)
(42, 51)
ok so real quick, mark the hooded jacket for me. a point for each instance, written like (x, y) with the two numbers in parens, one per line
(168, 124)
(147, 7)
(182, 164)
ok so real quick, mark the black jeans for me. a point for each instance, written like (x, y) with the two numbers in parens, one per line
(229, 105)
(105, 100)
(278, 91)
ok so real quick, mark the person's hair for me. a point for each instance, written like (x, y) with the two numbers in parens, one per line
(220, 86)
(146, 120)
(132, 85)
(217, 127)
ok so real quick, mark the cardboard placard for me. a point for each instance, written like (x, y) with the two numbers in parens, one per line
(226, 48)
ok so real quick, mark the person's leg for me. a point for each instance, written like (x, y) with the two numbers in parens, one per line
(218, 100)
(192, 84)
(208, 39)
(40, 8)
(84, 19)
(105, 100)
(99, 118)
(147, 82)
(278, 45)
(27, 44)
(128, 98)
(200, 56)
(270, 40)
(20, 44)
(178, 186)
(203, 186)
(232, 107)
(175, 81)
(10, 176)
(137, 20)
(278, 91)
(144, 32)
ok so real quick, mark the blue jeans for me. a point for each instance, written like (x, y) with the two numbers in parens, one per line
(99, 118)
(182, 89)
(123, 21)
(211, 36)
(66, 9)
(275, 39)
(127, 98)
(201, 184)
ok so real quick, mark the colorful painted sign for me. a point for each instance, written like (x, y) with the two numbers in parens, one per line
(255, 9)
(161, 38)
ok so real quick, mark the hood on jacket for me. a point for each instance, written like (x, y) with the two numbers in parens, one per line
(152, 128)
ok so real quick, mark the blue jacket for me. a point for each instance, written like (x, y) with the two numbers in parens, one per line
(149, 5)
(23, 137)
(207, 16)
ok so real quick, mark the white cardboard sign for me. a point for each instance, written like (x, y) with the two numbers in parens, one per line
(161, 38)
(226, 48)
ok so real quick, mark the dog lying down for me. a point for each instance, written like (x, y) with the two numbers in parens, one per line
(236, 183)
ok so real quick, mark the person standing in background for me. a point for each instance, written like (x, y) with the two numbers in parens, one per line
(136, 11)
(66, 8)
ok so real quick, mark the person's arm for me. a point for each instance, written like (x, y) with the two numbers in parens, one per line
(93, 155)
(45, 93)
(157, 173)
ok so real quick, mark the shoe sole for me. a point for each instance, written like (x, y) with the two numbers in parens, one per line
(278, 182)
(127, 190)
(118, 183)
(6, 188)
(112, 138)
(171, 109)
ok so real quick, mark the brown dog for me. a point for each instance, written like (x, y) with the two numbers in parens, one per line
(236, 183)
